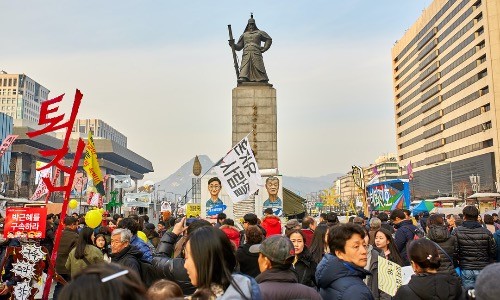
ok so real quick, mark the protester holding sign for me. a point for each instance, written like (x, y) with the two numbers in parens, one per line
(428, 283)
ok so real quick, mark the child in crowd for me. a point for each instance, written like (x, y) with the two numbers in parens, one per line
(164, 289)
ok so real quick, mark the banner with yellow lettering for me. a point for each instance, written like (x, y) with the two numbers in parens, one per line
(91, 166)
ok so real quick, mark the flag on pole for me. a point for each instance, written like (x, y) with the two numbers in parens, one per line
(239, 173)
(91, 166)
(409, 171)
(375, 170)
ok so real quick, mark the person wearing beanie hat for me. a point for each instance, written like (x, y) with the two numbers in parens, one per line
(277, 280)
(292, 225)
(487, 287)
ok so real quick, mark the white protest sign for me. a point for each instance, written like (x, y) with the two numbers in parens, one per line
(24, 269)
(22, 291)
(32, 253)
(239, 172)
(389, 276)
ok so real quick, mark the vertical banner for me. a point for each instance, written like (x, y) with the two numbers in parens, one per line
(271, 196)
(239, 172)
(25, 222)
(91, 165)
(409, 170)
(6, 143)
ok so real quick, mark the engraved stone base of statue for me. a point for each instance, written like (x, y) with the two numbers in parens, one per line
(254, 108)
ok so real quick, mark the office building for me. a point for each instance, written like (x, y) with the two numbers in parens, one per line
(100, 130)
(20, 96)
(446, 74)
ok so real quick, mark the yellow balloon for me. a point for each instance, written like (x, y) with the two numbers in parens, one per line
(73, 203)
(93, 218)
(142, 236)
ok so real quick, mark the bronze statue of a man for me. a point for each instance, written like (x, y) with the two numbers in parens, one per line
(252, 65)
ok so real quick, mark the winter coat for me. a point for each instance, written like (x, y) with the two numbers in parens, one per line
(339, 280)
(92, 254)
(66, 244)
(431, 286)
(441, 236)
(308, 233)
(172, 268)
(305, 268)
(232, 233)
(248, 261)
(128, 257)
(143, 248)
(48, 241)
(405, 231)
(272, 225)
(282, 285)
(388, 226)
(372, 279)
(496, 237)
(475, 245)
(246, 284)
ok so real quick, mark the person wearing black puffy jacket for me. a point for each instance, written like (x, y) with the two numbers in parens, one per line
(475, 245)
(438, 232)
(427, 283)
(173, 268)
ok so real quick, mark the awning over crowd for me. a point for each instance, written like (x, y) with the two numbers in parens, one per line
(293, 204)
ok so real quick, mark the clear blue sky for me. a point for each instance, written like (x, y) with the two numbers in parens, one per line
(161, 72)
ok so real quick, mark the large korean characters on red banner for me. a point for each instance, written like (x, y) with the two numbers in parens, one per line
(28, 222)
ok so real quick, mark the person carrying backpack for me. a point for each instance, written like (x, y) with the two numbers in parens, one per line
(405, 232)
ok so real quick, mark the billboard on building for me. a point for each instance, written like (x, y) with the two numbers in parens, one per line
(389, 195)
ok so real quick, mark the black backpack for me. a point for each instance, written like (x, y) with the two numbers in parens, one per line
(148, 273)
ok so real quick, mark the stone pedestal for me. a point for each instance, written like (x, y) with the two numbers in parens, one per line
(254, 108)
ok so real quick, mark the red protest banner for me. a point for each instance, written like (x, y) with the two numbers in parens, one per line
(6, 143)
(25, 222)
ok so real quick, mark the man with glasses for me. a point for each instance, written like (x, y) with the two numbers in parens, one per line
(214, 187)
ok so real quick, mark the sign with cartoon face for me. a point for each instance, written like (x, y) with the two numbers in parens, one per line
(271, 196)
(214, 199)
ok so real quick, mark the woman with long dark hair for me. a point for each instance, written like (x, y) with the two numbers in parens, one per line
(210, 262)
(427, 283)
(318, 245)
(303, 263)
(84, 253)
(101, 243)
(385, 242)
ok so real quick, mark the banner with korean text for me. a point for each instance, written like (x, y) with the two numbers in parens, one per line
(25, 222)
(91, 165)
(7, 141)
(239, 173)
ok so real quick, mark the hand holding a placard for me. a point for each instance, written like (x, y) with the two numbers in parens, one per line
(179, 227)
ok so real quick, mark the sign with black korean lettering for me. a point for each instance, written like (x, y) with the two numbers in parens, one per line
(239, 173)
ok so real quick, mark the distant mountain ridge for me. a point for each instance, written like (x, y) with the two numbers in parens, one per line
(180, 181)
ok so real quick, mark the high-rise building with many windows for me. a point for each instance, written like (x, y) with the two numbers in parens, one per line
(446, 73)
(20, 96)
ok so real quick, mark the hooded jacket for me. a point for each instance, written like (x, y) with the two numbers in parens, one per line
(441, 236)
(248, 261)
(431, 286)
(475, 244)
(247, 285)
(128, 257)
(232, 233)
(272, 225)
(338, 280)
(282, 285)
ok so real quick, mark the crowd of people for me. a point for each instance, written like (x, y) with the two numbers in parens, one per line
(452, 257)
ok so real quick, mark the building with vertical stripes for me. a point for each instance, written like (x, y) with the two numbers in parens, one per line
(446, 74)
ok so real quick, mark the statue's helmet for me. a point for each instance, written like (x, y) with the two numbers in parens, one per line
(251, 21)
